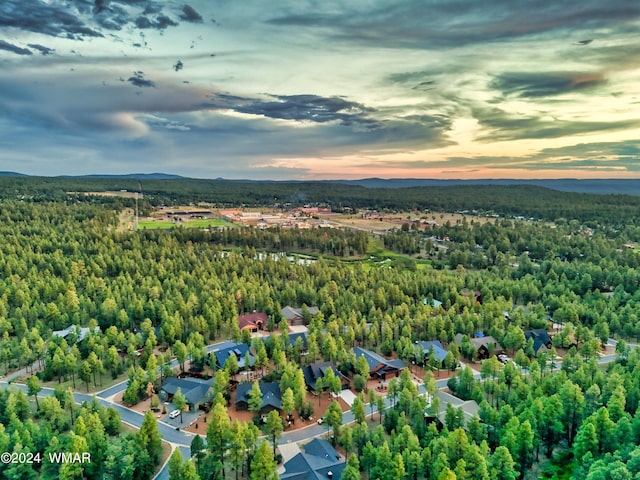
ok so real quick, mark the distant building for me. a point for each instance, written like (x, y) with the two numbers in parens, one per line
(438, 350)
(541, 340)
(483, 347)
(81, 332)
(470, 408)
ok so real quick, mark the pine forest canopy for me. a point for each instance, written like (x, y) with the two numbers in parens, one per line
(65, 262)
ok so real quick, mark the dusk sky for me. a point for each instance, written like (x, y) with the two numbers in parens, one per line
(305, 89)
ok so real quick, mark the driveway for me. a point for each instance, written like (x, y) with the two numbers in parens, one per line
(348, 396)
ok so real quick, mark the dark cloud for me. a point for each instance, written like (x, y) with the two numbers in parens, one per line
(163, 22)
(112, 17)
(160, 23)
(312, 108)
(143, 22)
(533, 84)
(42, 49)
(100, 6)
(54, 19)
(138, 80)
(10, 47)
(190, 15)
(435, 24)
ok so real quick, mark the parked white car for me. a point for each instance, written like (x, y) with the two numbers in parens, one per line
(174, 413)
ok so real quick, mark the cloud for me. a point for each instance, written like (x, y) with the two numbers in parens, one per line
(138, 80)
(54, 18)
(190, 15)
(311, 108)
(534, 84)
(42, 49)
(9, 47)
(161, 22)
(436, 24)
(100, 6)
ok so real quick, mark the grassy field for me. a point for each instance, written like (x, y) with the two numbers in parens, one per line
(196, 223)
(154, 224)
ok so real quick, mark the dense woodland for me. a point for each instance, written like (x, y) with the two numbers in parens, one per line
(507, 200)
(57, 425)
(64, 262)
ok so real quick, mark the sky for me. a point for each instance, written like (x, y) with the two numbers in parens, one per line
(321, 89)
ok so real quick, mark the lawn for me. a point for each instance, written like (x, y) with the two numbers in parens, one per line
(154, 224)
(196, 223)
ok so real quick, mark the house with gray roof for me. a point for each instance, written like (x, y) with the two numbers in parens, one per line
(318, 370)
(271, 397)
(238, 350)
(380, 367)
(541, 339)
(195, 391)
(438, 350)
(81, 332)
(319, 461)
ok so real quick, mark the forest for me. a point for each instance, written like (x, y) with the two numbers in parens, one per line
(64, 262)
(506, 200)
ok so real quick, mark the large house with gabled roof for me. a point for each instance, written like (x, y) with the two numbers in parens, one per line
(271, 397)
(319, 461)
(380, 367)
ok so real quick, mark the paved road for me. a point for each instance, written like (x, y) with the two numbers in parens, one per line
(182, 440)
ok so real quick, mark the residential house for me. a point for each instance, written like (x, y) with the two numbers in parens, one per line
(294, 315)
(239, 350)
(195, 391)
(80, 332)
(292, 339)
(470, 408)
(319, 461)
(253, 321)
(271, 398)
(380, 367)
(477, 295)
(318, 370)
(483, 346)
(438, 350)
(432, 301)
(541, 339)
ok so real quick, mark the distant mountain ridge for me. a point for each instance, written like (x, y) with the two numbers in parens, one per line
(602, 186)
(135, 176)
(597, 186)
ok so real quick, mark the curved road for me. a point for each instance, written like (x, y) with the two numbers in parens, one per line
(182, 440)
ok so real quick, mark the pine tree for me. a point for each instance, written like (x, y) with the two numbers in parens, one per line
(150, 440)
(263, 465)
(179, 401)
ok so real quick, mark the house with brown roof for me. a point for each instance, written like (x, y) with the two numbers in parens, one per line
(484, 346)
(253, 321)
(380, 367)
(295, 316)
